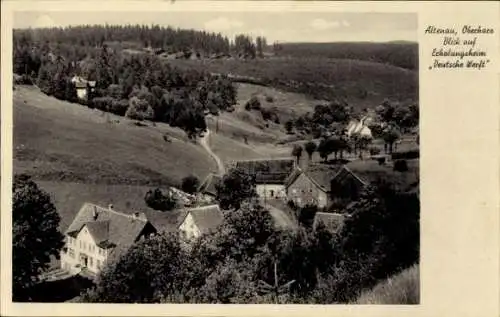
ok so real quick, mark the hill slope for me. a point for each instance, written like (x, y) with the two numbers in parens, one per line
(77, 156)
(362, 83)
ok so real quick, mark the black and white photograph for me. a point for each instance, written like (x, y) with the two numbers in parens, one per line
(205, 157)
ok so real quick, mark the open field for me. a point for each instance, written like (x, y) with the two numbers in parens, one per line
(59, 141)
(363, 84)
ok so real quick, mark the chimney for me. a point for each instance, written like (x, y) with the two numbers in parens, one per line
(110, 206)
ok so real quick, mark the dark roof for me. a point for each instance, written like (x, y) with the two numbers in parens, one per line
(206, 218)
(323, 175)
(293, 176)
(332, 221)
(99, 230)
(208, 185)
(107, 226)
(271, 171)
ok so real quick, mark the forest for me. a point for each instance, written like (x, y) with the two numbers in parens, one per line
(139, 86)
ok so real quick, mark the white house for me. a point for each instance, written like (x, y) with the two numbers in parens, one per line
(82, 85)
(98, 235)
(359, 128)
(199, 221)
(270, 175)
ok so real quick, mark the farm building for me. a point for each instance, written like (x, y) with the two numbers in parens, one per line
(270, 175)
(82, 85)
(99, 235)
(199, 221)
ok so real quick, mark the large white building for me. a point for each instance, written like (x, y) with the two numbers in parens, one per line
(99, 235)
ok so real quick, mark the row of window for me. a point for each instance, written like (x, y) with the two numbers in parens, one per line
(86, 246)
(85, 259)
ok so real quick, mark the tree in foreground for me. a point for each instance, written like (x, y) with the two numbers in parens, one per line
(235, 187)
(150, 270)
(35, 235)
(190, 184)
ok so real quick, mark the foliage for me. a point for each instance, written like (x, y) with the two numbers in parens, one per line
(235, 187)
(306, 215)
(297, 152)
(289, 126)
(253, 104)
(35, 235)
(158, 201)
(310, 147)
(401, 166)
(139, 109)
(190, 184)
(150, 269)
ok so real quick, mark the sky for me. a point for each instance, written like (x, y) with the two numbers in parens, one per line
(275, 26)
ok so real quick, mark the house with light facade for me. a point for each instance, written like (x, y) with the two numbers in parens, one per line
(99, 235)
(82, 86)
(270, 175)
(200, 220)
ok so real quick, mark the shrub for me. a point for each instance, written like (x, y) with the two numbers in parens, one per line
(374, 150)
(102, 103)
(401, 166)
(119, 107)
(157, 201)
(253, 104)
(139, 109)
(190, 184)
(409, 155)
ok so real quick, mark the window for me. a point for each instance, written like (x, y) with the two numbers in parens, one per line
(71, 253)
(98, 264)
(91, 261)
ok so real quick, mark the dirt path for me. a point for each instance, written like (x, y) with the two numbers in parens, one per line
(281, 218)
(206, 146)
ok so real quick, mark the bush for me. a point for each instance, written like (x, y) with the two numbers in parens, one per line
(139, 109)
(190, 184)
(157, 201)
(409, 155)
(119, 107)
(252, 104)
(401, 166)
(102, 103)
(374, 150)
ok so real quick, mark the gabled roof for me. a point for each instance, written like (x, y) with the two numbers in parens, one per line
(293, 176)
(99, 230)
(206, 218)
(107, 226)
(332, 221)
(268, 171)
(208, 185)
(322, 176)
(344, 172)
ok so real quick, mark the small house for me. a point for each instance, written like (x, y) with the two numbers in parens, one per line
(99, 235)
(270, 175)
(82, 86)
(199, 221)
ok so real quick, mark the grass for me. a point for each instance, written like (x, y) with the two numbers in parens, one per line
(402, 288)
(60, 141)
(362, 83)
(74, 154)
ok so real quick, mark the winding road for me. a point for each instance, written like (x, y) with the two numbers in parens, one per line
(206, 146)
